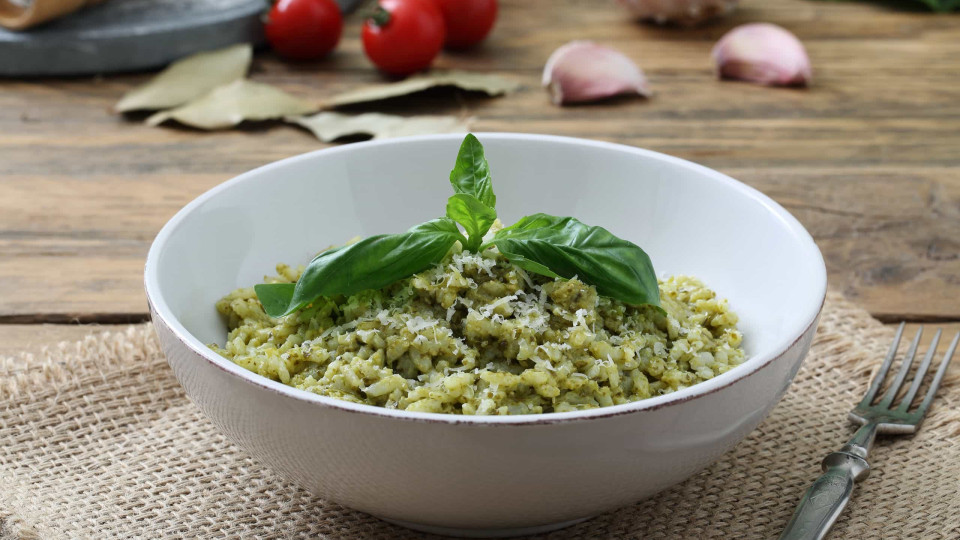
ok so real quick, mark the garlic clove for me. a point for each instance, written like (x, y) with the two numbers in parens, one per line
(682, 12)
(582, 71)
(762, 53)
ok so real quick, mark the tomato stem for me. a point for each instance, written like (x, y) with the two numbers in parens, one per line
(379, 16)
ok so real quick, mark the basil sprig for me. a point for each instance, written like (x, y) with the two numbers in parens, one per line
(565, 247)
(475, 217)
(371, 263)
(474, 205)
(557, 247)
(471, 172)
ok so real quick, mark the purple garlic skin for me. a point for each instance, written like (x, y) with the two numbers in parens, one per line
(583, 71)
(682, 12)
(762, 53)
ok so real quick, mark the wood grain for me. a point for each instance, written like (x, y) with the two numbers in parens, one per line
(867, 158)
(929, 330)
(16, 339)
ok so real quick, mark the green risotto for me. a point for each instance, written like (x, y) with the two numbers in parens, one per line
(476, 334)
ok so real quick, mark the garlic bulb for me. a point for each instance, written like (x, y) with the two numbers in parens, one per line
(762, 53)
(684, 12)
(583, 71)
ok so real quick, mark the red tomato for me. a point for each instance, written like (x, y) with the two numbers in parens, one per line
(403, 36)
(468, 21)
(304, 29)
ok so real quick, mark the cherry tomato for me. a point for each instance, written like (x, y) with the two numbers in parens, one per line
(468, 21)
(304, 29)
(403, 36)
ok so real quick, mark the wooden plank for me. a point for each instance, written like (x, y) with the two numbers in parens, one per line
(929, 330)
(33, 338)
(888, 236)
(866, 158)
(87, 288)
(686, 124)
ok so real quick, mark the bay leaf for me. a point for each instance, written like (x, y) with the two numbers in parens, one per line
(189, 78)
(233, 103)
(489, 83)
(329, 126)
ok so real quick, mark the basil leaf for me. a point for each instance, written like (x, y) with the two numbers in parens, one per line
(439, 226)
(371, 263)
(475, 217)
(529, 265)
(471, 173)
(530, 223)
(275, 297)
(568, 248)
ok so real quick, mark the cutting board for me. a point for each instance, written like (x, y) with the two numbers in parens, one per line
(130, 35)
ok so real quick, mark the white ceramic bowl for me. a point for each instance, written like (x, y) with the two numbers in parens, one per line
(487, 475)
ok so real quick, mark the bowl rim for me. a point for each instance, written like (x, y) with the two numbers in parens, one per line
(162, 314)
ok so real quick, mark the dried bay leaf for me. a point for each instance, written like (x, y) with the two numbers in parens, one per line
(233, 103)
(189, 78)
(329, 126)
(491, 84)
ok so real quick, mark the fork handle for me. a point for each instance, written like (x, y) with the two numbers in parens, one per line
(826, 498)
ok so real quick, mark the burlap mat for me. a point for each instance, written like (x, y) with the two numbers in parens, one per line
(98, 441)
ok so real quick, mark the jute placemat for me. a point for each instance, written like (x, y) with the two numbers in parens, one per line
(99, 441)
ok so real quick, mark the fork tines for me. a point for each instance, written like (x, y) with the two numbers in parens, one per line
(890, 395)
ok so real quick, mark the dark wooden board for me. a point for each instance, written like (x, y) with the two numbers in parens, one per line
(130, 35)
(127, 35)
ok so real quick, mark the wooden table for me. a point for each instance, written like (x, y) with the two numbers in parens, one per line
(868, 159)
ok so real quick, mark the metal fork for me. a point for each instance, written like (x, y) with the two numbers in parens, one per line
(826, 498)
